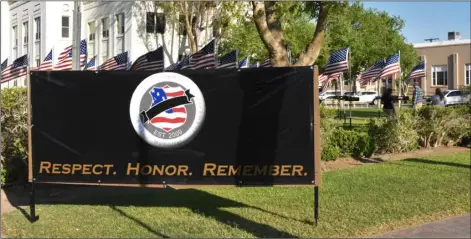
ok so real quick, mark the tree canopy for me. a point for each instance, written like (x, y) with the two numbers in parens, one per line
(370, 34)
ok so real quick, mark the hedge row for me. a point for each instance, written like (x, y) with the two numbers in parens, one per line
(429, 127)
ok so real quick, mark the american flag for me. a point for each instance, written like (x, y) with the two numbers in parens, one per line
(172, 67)
(338, 62)
(204, 58)
(4, 65)
(65, 58)
(228, 61)
(119, 62)
(171, 118)
(153, 60)
(184, 64)
(46, 65)
(256, 65)
(417, 72)
(372, 72)
(324, 78)
(244, 63)
(391, 66)
(15, 70)
(91, 65)
(266, 63)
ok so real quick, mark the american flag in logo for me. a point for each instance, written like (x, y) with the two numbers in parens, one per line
(417, 72)
(119, 62)
(91, 65)
(204, 58)
(244, 63)
(65, 57)
(391, 66)
(15, 70)
(46, 65)
(153, 60)
(229, 60)
(4, 65)
(338, 62)
(372, 72)
(171, 118)
(266, 63)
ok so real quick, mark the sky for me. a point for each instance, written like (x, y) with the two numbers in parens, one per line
(429, 19)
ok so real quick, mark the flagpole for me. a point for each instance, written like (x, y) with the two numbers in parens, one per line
(351, 85)
(399, 79)
(237, 59)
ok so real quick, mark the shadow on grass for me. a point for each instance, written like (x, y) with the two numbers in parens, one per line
(198, 201)
(419, 160)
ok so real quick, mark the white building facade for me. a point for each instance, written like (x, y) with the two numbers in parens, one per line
(110, 28)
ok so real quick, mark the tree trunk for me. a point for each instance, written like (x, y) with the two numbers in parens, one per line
(189, 29)
(310, 54)
(270, 31)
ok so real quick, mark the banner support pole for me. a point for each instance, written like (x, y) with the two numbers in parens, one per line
(31, 179)
(316, 205)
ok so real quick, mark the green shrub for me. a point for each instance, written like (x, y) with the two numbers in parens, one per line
(393, 136)
(438, 126)
(14, 134)
(330, 152)
(351, 143)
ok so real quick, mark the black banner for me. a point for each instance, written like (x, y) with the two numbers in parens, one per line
(248, 126)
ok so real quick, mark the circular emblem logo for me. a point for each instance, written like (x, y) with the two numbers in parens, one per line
(167, 110)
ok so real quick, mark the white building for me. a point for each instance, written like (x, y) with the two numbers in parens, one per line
(5, 31)
(110, 28)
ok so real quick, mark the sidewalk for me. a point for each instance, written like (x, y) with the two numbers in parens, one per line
(455, 227)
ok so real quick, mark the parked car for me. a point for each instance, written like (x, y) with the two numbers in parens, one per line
(367, 96)
(325, 94)
(452, 97)
(455, 97)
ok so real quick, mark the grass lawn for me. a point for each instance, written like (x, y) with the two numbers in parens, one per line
(358, 201)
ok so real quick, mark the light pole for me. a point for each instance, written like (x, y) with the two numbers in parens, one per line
(76, 37)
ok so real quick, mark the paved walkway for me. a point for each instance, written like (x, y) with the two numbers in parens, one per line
(455, 227)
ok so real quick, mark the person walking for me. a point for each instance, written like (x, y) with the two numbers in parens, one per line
(438, 99)
(417, 97)
(388, 103)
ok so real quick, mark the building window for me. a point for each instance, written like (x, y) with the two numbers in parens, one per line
(15, 82)
(467, 74)
(155, 22)
(440, 75)
(91, 31)
(65, 26)
(37, 23)
(106, 27)
(25, 33)
(38, 62)
(15, 36)
(181, 25)
(120, 23)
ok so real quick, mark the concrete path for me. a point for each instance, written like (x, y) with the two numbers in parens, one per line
(455, 227)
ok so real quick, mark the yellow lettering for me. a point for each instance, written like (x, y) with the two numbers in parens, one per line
(222, 170)
(182, 169)
(95, 167)
(170, 170)
(297, 170)
(146, 169)
(261, 170)
(209, 167)
(109, 166)
(159, 170)
(76, 167)
(66, 169)
(43, 166)
(56, 168)
(247, 170)
(285, 170)
(130, 168)
(86, 169)
(274, 170)
(233, 170)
